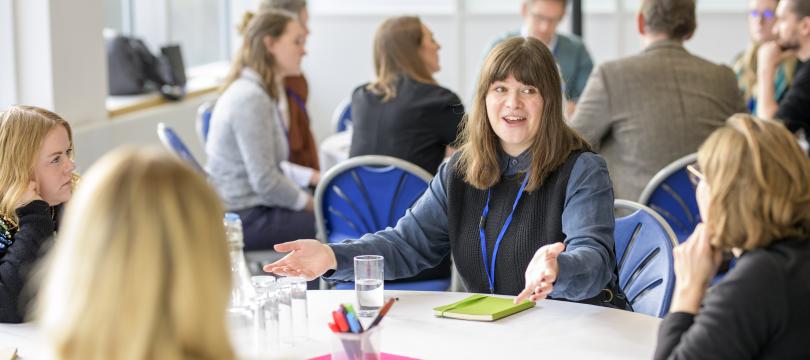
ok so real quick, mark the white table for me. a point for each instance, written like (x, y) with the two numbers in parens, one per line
(550, 330)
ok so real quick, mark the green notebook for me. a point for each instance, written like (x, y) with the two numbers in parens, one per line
(482, 308)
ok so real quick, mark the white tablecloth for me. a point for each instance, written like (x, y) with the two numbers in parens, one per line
(550, 330)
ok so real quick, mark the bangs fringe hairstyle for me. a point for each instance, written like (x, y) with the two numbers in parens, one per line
(396, 53)
(758, 180)
(531, 63)
(22, 132)
(253, 53)
(141, 267)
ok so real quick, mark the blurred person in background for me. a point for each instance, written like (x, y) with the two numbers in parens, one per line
(303, 149)
(540, 21)
(248, 142)
(761, 18)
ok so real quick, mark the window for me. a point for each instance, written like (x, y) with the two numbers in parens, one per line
(201, 27)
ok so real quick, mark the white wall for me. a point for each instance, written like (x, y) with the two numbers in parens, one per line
(94, 140)
(8, 67)
(59, 57)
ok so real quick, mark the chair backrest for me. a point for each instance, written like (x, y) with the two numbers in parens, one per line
(366, 194)
(173, 143)
(342, 116)
(671, 194)
(203, 122)
(644, 243)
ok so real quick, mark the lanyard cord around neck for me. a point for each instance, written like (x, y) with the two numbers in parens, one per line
(490, 271)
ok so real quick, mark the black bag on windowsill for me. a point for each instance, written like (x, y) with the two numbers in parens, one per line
(132, 69)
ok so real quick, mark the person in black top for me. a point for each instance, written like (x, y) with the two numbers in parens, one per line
(403, 113)
(793, 31)
(36, 178)
(754, 199)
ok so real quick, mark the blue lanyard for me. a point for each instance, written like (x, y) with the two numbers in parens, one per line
(298, 100)
(491, 270)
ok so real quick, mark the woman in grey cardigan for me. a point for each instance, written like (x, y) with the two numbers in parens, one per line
(247, 148)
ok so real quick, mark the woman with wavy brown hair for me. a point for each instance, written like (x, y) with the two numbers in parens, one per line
(248, 145)
(36, 178)
(523, 206)
(753, 193)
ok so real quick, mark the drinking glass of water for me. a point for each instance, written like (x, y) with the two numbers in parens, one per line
(368, 284)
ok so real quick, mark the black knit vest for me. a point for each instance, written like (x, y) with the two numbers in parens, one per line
(537, 221)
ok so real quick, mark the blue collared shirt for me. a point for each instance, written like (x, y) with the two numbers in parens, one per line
(420, 239)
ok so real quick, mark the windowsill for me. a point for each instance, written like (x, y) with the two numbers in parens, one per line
(203, 79)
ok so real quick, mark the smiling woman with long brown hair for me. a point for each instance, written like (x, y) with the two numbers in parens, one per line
(508, 205)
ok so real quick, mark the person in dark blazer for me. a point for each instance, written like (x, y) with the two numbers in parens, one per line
(403, 113)
(754, 199)
(647, 110)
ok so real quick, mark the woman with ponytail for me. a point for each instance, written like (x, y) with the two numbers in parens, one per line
(248, 144)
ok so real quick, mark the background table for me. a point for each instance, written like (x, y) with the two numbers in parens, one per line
(550, 330)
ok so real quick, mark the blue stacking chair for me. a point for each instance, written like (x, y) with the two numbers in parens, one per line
(369, 193)
(644, 243)
(342, 117)
(172, 142)
(671, 194)
(203, 122)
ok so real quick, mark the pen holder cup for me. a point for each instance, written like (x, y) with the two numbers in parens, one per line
(362, 346)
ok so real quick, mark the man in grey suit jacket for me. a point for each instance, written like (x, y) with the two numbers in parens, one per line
(647, 110)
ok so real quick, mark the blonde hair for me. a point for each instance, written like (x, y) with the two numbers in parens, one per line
(758, 180)
(140, 269)
(746, 69)
(531, 63)
(253, 53)
(22, 132)
(396, 53)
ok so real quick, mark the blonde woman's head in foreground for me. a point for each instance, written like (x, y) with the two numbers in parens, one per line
(756, 186)
(140, 269)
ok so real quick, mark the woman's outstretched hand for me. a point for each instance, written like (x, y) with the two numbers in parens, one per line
(541, 273)
(306, 258)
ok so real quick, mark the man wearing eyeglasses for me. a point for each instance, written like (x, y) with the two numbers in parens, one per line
(761, 19)
(793, 36)
(540, 20)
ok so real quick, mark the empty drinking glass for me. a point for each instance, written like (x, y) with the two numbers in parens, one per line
(266, 319)
(292, 309)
